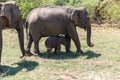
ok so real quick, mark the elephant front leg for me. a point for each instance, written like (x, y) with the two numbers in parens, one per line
(58, 49)
(67, 46)
(77, 44)
(74, 36)
(55, 51)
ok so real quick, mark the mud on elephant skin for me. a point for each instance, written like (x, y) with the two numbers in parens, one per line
(55, 20)
(11, 17)
(55, 42)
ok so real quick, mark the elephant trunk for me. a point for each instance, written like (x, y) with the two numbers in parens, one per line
(21, 38)
(88, 28)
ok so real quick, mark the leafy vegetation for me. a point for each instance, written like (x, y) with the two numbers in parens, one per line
(26, 8)
(99, 10)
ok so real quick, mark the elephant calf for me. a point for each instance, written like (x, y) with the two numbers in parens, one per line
(54, 42)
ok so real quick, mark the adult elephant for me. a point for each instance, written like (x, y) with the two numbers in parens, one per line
(10, 17)
(50, 21)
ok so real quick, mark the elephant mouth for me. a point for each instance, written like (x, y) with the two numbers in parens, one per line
(5, 22)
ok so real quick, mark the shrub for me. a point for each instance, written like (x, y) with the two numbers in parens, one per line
(113, 11)
(25, 7)
(99, 9)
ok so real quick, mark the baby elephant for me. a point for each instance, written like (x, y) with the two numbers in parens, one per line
(55, 42)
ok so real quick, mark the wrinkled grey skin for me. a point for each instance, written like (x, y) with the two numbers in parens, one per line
(10, 17)
(50, 21)
(54, 42)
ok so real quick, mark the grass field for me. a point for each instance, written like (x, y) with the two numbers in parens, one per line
(101, 62)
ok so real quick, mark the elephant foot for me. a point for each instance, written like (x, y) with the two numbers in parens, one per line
(48, 55)
(28, 53)
(1, 70)
(38, 53)
(91, 45)
(80, 51)
(68, 51)
(55, 53)
(58, 53)
(22, 56)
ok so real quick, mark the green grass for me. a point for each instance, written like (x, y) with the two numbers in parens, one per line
(101, 62)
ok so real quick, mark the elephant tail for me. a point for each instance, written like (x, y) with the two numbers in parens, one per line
(26, 23)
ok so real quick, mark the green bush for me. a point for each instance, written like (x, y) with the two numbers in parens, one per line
(101, 10)
(90, 5)
(113, 11)
(25, 7)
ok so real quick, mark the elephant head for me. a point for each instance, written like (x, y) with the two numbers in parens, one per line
(81, 18)
(10, 13)
(11, 17)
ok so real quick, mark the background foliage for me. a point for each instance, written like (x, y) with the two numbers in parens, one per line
(99, 10)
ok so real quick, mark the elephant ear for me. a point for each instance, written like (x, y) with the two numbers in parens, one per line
(15, 13)
(10, 11)
(0, 7)
(5, 12)
(74, 17)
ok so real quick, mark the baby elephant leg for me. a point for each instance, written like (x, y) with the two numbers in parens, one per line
(55, 52)
(48, 52)
(58, 48)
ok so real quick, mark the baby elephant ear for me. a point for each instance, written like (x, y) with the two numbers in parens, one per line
(74, 17)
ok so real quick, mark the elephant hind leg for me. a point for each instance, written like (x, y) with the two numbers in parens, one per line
(29, 43)
(36, 46)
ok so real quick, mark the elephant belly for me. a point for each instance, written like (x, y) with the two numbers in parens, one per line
(51, 29)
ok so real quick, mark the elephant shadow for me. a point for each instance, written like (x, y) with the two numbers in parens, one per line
(72, 55)
(8, 70)
(90, 54)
